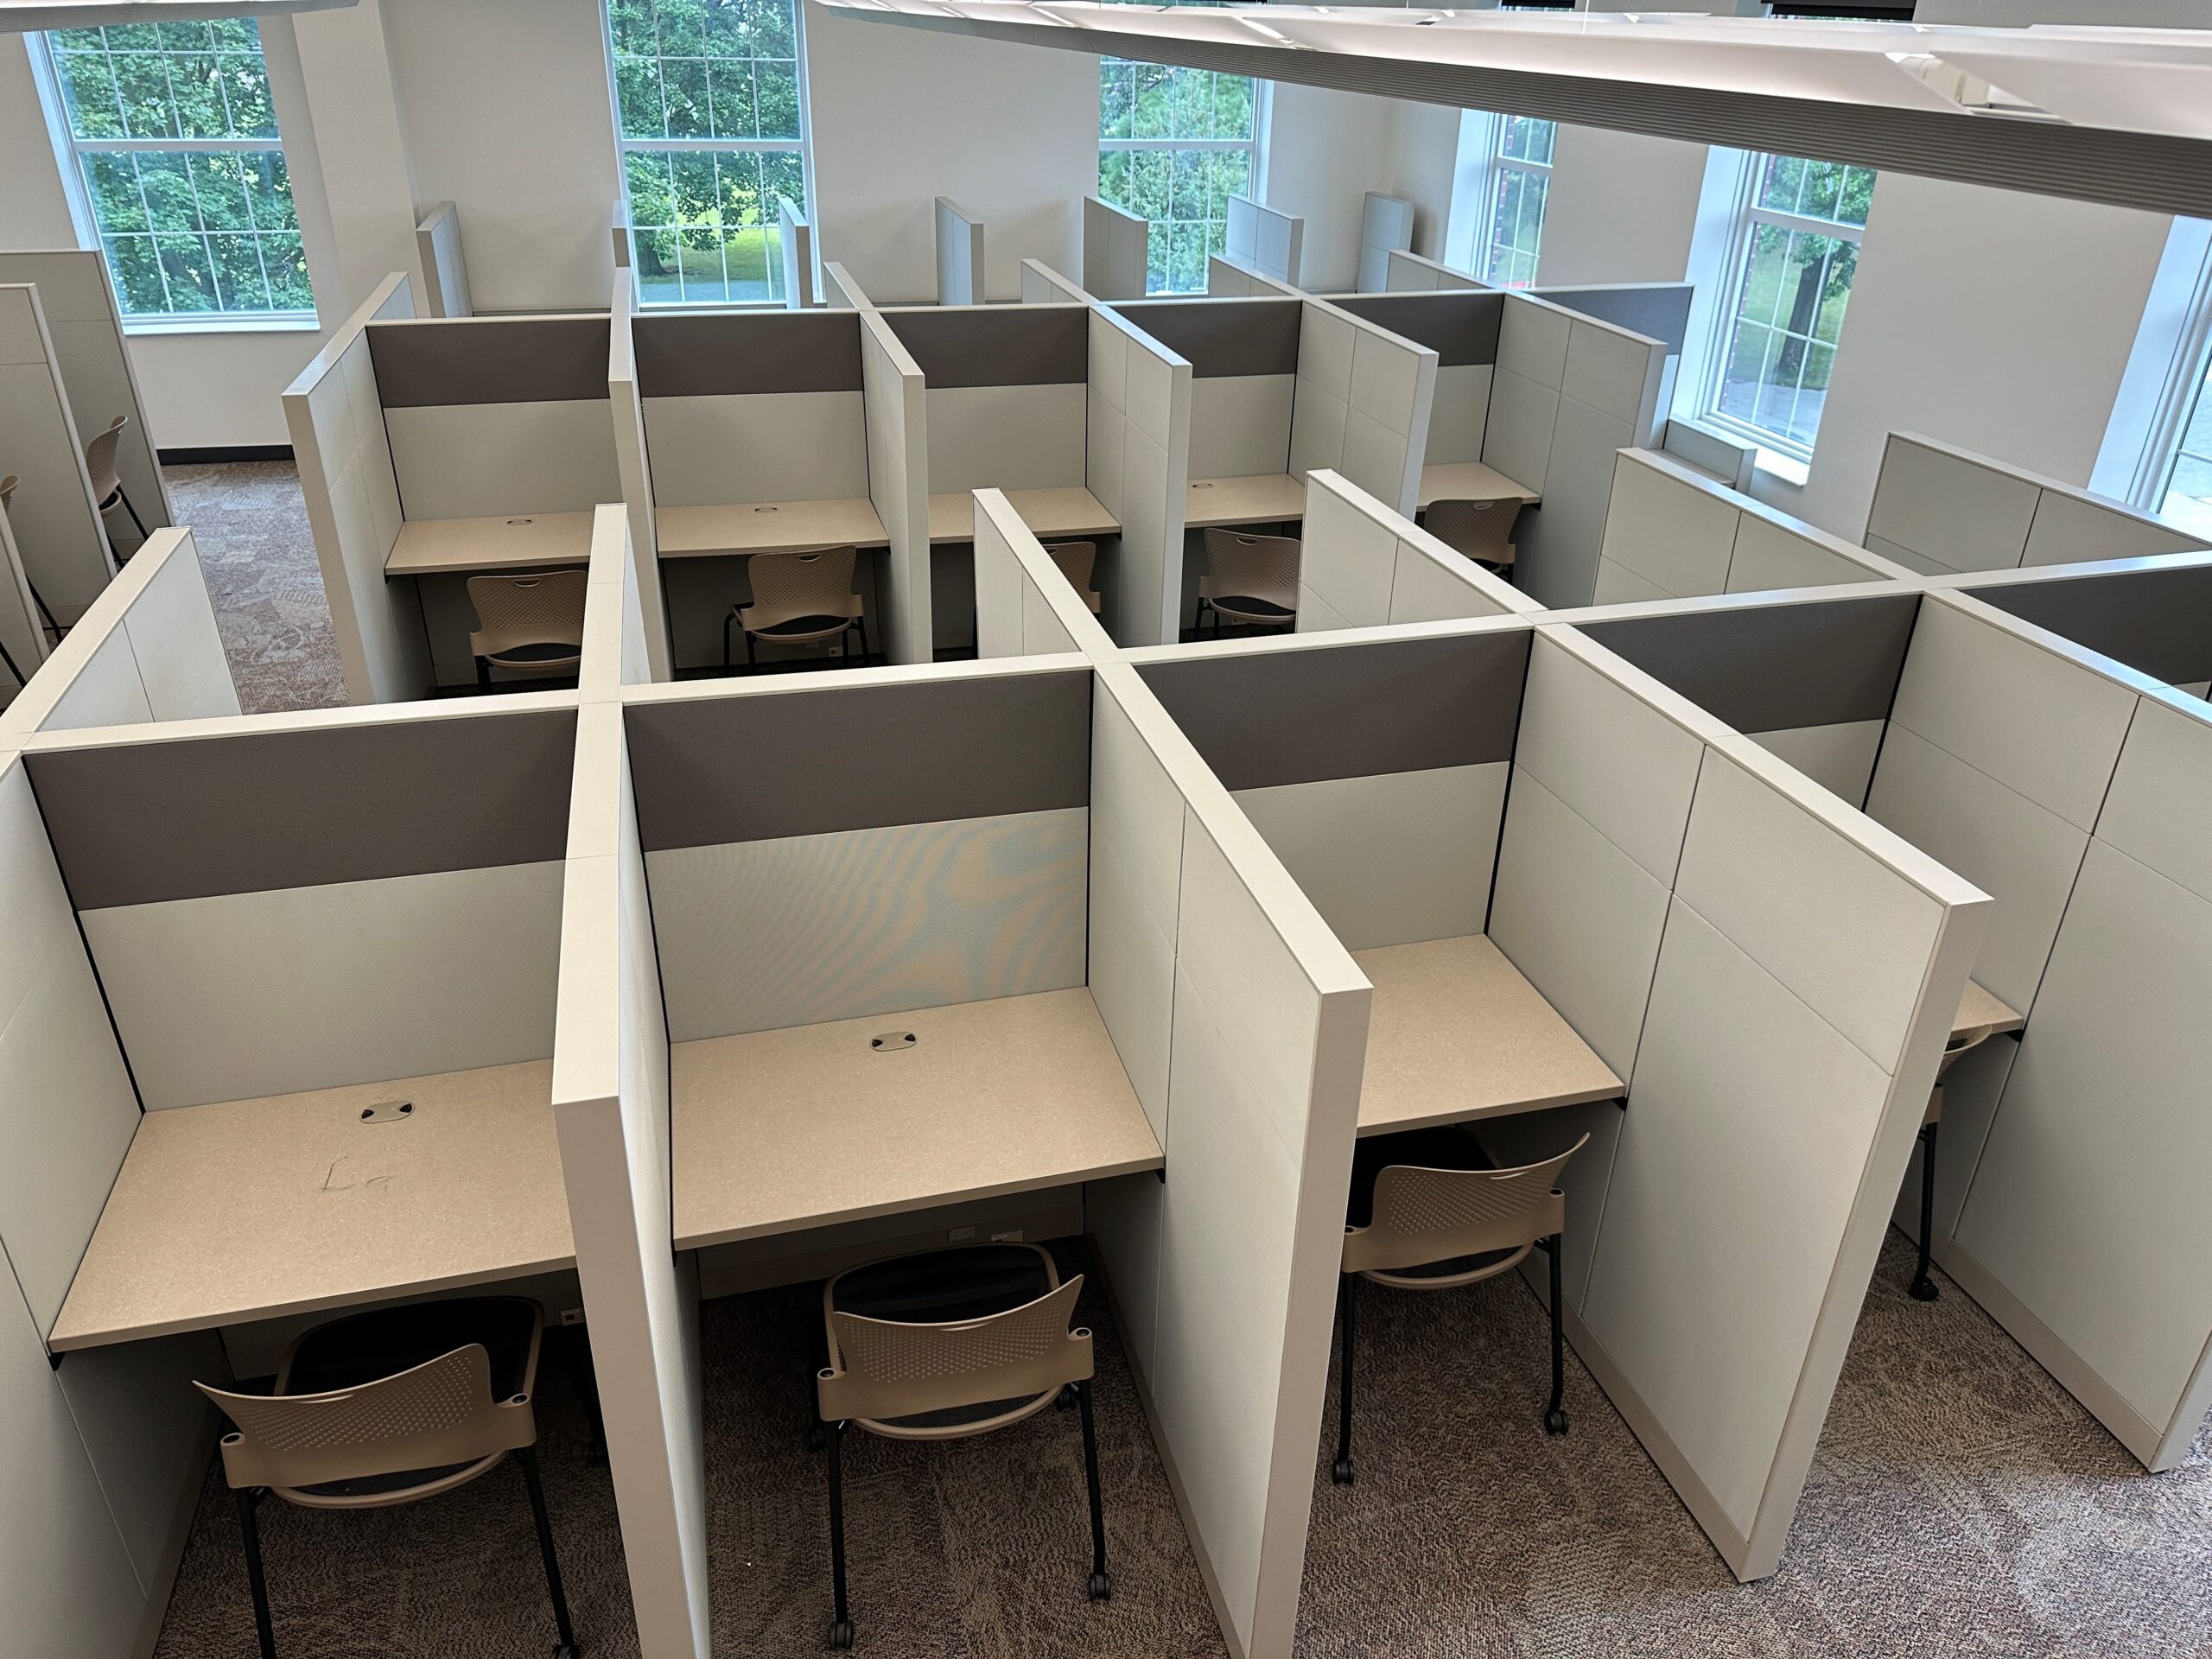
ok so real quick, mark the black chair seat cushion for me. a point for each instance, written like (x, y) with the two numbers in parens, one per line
(1251, 607)
(942, 1287)
(551, 651)
(1448, 1146)
(798, 625)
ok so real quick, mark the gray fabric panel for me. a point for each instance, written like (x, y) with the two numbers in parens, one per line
(807, 763)
(1660, 313)
(1225, 337)
(1272, 717)
(997, 345)
(252, 813)
(489, 361)
(2157, 622)
(1773, 668)
(735, 354)
(1461, 328)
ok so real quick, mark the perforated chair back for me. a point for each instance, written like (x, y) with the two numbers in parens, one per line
(546, 608)
(812, 582)
(437, 1415)
(1426, 1215)
(1239, 566)
(100, 462)
(1076, 560)
(883, 1369)
(1481, 531)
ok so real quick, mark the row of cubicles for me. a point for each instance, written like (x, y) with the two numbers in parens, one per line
(1711, 879)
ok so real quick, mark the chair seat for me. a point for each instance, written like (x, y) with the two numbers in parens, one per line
(942, 1287)
(798, 629)
(551, 653)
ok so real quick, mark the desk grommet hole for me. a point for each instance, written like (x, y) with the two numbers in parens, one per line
(522, 521)
(891, 1041)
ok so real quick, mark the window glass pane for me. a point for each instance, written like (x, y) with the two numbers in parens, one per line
(2188, 497)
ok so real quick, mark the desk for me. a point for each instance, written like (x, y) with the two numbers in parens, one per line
(1051, 515)
(775, 1131)
(1470, 480)
(1977, 1009)
(1457, 1034)
(766, 527)
(432, 547)
(227, 1213)
(1262, 499)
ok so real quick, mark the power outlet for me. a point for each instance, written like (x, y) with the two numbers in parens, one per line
(572, 1316)
(1012, 1237)
(959, 1235)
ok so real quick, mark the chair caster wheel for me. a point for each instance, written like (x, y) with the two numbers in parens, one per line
(1066, 1397)
(1554, 1422)
(1340, 1472)
(1102, 1586)
(1923, 1290)
(840, 1635)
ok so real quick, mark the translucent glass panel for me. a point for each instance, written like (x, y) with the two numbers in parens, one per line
(205, 228)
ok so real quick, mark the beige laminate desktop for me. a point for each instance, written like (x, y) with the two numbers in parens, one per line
(766, 527)
(775, 1131)
(1262, 499)
(1456, 1033)
(224, 1214)
(1978, 1009)
(1470, 480)
(1065, 511)
(433, 547)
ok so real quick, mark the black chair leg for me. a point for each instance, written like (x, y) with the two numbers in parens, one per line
(841, 1631)
(8, 657)
(726, 663)
(861, 622)
(1923, 1287)
(1556, 1414)
(45, 612)
(250, 1525)
(585, 1377)
(1101, 1582)
(527, 1457)
(133, 512)
(484, 674)
(1341, 1471)
(751, 661)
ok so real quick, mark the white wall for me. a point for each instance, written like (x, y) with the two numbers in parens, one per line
(1327, 148)
(1621, 208)
(901, 117)
(34, 213)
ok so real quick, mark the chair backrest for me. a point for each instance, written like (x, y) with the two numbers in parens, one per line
(1239, 566)
(99, 460)
(1476, 529)
(543, 607)
(440, 1413)
(808, 582)
(885, 1368)
(1076, 560)
(1432, 1215)
(8, 487)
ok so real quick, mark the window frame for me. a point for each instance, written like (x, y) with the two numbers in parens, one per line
(1498, 164)
(1254, 147)
(803, 145)
(1749, 217)
(70, 152)
(2187, 391)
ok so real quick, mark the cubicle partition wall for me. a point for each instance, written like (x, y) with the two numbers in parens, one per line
(1386, 226)
(1262, 239)
(1116, 250)
(1943, 511)
(146, 650)
(23, 631)
(78, 297)
(1025, 604)
(1140, 428)
(633, 468)
(1674, 533)
(795, 248)
(1704, 449)
(444, 270)
(1405, 272)
(840, 291)
(1042, 285)
(960, 270)
(1360, 565)
(51, 515)
(1462, 329)
(1228, 278)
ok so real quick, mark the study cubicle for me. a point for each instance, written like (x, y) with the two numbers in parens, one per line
(52, 513)
(2067, 780)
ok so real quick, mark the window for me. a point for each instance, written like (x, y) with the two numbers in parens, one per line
(1173, 145)
(1519, 184)
(2185, 494)
(708, 100)
(175, 141)
(1796, 251)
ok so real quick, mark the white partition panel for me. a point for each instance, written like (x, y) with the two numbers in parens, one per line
(1362, 565)
(896, 407)
(445, 272)
(959, 254)
(1362, 405)
(633, 464)
(23, 632)
(840, 291)
(148, 650)
(1137, 463)
(611, 1105)
(1386, 226)
(795, 247)
(1116, 250)
(336, 420)
(79, 300)
(57, 527)
(1042, 285)
(1405, 272)
(1724, 459)
(1025, 605)
(1265, 240)
(1228, 278)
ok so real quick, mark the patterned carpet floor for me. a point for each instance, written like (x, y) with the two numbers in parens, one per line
(1959, 1501)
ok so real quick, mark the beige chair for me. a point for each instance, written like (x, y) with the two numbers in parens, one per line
(1922, 1288)
(1429, 1211)
(797, 598)
(1076, 560)
(390, 1407)
(1250, 579)
(945, 1344)
(107, 482)
(1481, 531)
(534, 623)
(7, 495)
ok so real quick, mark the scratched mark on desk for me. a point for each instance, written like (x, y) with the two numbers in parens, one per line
(332, 1184)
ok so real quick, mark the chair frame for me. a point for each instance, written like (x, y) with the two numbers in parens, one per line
(488, 660)
(1922, 1288)
(1209, 599)
(855, 622)
(1501, 568)
(113, 435)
